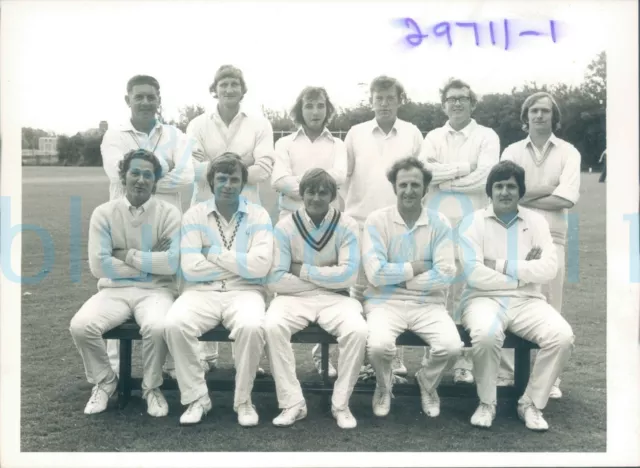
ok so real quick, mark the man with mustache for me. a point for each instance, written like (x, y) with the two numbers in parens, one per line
(311, 146)
(552, 171)
(460, 155)
(172, 148)
(134, 253)
(508, 253)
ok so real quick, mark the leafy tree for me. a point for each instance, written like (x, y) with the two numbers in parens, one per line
(187, 114)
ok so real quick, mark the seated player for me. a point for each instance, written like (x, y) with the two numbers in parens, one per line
(226, 251)
(508, 253)
(408, 258)
(316, 260)
(134, 253)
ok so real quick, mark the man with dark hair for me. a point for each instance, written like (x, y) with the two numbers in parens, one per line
(408, 259)
(227, 248)
(311, 146)
(172, 148)
(133, 251)
(508, 253)
(552, 170)
(460, 155)
(372, 147)
(316, 260)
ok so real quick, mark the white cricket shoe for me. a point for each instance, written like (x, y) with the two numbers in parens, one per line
(484, 415)
(398, 367)
(260, 372)
(462, 376)
(317, 362)
(428, 397)
(381, 401)
(531, 415)
(344, 418)
(100, 395)
(290, 415)
(555, 393)
(156, 404)
(196, 411)
(247, 415)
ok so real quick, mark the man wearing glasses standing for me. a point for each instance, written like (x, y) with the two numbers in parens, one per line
(460, 155)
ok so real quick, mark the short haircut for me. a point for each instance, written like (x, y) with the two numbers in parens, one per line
(456, 83)
(504, 170)
(228, 71)
(406, 164)
(556, 115)
(226, 163)
(140, 80)
(315, 178)
(311, 92)
(384, 82)
(125, 163)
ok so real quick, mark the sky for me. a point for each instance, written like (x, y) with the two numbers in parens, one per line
(73, 59)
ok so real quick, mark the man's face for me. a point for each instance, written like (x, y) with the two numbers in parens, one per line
(505, 195)
(144, 101)
(457, 105)
(227, 187)
(139, 181)
(229, 91)
(541, 115)
(385, 104)
(410, 188)
(314, 111)
(316, 200)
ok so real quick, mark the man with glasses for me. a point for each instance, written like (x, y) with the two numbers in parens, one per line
(460, 155)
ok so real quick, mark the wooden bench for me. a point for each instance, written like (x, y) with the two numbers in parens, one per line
(129, 331)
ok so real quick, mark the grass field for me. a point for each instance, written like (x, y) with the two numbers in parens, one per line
(54, 389)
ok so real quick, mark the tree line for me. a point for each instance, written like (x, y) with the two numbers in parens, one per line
(583, 118)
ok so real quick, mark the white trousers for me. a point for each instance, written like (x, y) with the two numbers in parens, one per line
(111, 307)
(196, 312)
(535, 320)
(431, 322)
(340, 316)
(553, 292)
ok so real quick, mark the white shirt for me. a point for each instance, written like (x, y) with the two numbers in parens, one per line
(370, 154)
(455, 190)
(167, 142)
(296, 154)
(249, 136)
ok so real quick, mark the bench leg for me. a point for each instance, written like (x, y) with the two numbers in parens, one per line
(522, 370)
(124, 382)
(324, 347)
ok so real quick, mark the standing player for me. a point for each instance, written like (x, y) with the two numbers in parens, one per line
(226, 252)
(408, 258)
(508, 253)
(229, 128)
(166, 142)
(311, 146)
(552, 171)
(460, 155)
(134, 253)
(372, 148)
(316, 260)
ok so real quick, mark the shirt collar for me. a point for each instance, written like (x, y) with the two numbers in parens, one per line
(375, 126)
(144, 207)
(553, 140)
(326, 218)
(466, 131)
(490, 213)
(215, 114)
(325, 133)
(243, 206)
(128, 127)
(423, 219)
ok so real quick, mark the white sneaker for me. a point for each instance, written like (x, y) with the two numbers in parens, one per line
(484, 415)
(196, 411)
(381, 401)
(397, 366)
(505, 381)
(462, 376)
(156, 404)
(344, 418)
(428, 398)
(247, 415)
(555, 393)
(209, 365)
(100, 395)
(290, 415)
(531, 415)
(260, 372)
(317, 362)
